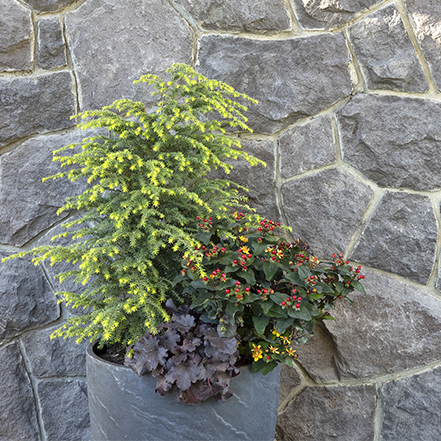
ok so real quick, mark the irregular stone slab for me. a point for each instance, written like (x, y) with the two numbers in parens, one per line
(35, 104)
(30, 205)
(391, 328)
(64, 410)
(343, 413)
(54, 358)
(290, 378)
(325, 209)
(51, 49)
(112, 45)
(326, 14)
(48, 5)
(260, 181)
(411, 407)
(393, 140)
(401, 237)
(267, 16)
(385, 53)
(317, 356)
(18, 415)
(291, 79)
(307, 147)
(26, 298)
(426, 16)
(15, 37)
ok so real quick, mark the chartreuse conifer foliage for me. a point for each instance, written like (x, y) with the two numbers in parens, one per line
(147, 183)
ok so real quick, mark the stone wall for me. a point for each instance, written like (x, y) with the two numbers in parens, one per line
(349, 123)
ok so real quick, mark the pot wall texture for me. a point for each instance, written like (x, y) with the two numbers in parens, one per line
(349, 123)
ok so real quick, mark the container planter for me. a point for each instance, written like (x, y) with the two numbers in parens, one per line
(124, 406)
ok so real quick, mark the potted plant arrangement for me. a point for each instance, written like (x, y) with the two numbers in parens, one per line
(182, 279)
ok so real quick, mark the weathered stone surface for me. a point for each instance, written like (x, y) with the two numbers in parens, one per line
(317, 356)
(325, 209)
(267, 16)
(261, 181)
(48, 5)
(18, 415)
(290, 378)
(326, 14)
(15, 37)
(291, 79)
(35, 104)
(426, 15)
(334, 413)
(51, 49)
(30, 205)
(393, 327)
(26, 298)
(306, 147)
(64, 410)
(386, 54)
(393, 140)
(401, 237)
(411, 408)
(54, 358)
(112, 44)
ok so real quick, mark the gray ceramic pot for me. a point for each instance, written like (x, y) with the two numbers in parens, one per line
(124, 406)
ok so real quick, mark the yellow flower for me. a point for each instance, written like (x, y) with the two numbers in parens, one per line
(276, 333)
(245, 250)
(256, 352)
(291, 352)
(273, 349)
(243, 239)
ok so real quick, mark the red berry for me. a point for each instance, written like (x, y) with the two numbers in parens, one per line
(298, 305)
(247, 289)
(227, 291)
(283, 303)
(238, 283)
(205, 278)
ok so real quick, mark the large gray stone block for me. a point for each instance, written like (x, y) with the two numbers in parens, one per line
(290, 378)
(51, 49)
(30, 205)
(343, 413)
(265, 16)
(393, 140)
(260, 181)
(18, 414)
(391, 328)
(112, 45)
(326, 14)
(401, 237)
(291, 79)
(26, 298)
(386, 54)
(325, 209)
(307, 146)
(54, 358)
(426, 16)
(317, 356)
(64, 410)
(48, 5)
(35, 104)
(15, 36)
(411, 408)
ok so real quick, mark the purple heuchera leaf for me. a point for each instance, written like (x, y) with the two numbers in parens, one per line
(184, 374)
(224, 345)
(147, 355)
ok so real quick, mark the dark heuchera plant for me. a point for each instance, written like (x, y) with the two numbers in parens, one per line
(187, 357)
(255, 292)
